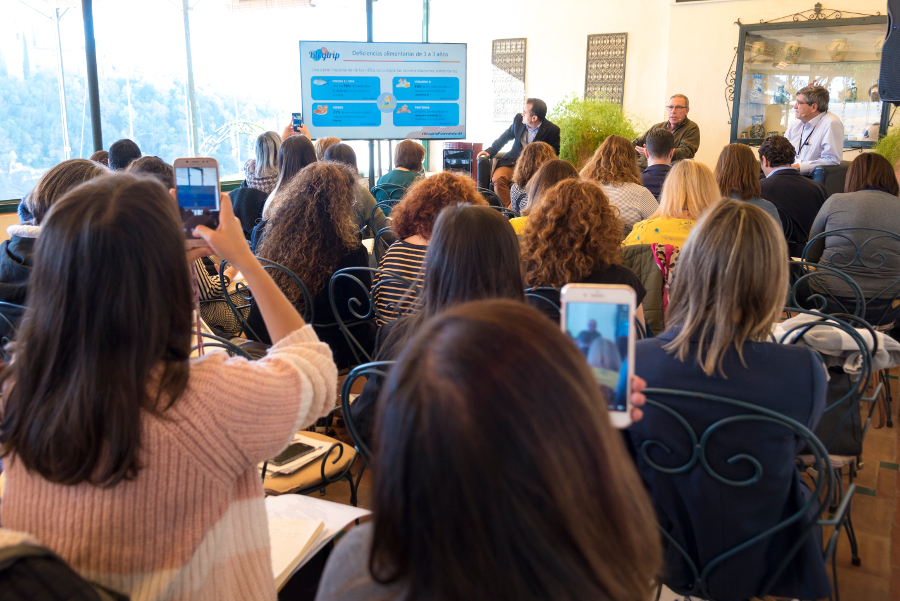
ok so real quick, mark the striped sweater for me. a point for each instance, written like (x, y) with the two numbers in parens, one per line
(192, 524)
(406, 260)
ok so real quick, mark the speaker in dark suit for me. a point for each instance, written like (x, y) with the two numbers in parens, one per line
(889, 78)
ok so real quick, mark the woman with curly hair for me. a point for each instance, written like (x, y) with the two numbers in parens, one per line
(688, 191)
(551, 173)
(313, 235)
(574, 237)
(533, 156)
(412, 223)
(614, 167)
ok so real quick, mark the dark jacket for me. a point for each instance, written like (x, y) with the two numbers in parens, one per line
(707, 517)
(247, 204)
(16, 263)
(547, 132)
(799, 199)
(687, 141)
(653, 177)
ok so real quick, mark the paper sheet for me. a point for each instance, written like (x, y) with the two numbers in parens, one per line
(289, 540)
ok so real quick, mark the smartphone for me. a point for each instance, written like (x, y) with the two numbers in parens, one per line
(599, 319)
(294, 451)
(297, 120)
(197, 191)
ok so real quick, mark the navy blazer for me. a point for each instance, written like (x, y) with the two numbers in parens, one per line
(547, 132)
(708, 518)
(798, 198)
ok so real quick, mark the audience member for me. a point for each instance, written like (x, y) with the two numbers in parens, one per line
(17, 253)
(464, 236)
(688, 191)
(817, 135)
(365, 209)
(262, 172)
(156, 167)
(295, 153)
(121, 154)
(551, 173)
(660, 146)
(150, 439)
(101, 156)
(797, 198)
(412, 222)
(737, 174)
(533, 156)
(465, 509)
(729, 292)
(313, 235)
(575, 237)
(686, 132)
(869, 201)
(322, 145)
(408, 156)
(531, 125)
(615, 169)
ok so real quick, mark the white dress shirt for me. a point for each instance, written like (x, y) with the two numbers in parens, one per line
(818, 142)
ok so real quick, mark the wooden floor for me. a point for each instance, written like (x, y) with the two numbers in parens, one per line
(876, 516)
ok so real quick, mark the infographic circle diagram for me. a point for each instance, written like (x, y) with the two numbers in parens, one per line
(387, 103)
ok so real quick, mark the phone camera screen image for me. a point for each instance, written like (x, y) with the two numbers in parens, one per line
(297, 121)
(197, 189)
(601, 333)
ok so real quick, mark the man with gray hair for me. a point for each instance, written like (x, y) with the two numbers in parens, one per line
(817, 135)
(686, 132)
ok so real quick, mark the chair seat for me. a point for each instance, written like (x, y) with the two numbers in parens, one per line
(837, 461)
(310, 475)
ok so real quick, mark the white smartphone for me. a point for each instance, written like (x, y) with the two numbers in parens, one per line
(599, 318)
(197, 191)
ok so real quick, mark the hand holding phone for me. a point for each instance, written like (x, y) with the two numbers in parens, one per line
(197, 193)
(297, 122)
(600, 320)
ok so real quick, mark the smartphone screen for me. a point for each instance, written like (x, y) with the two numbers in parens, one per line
(297, 120)
(294, 451)
(601, 332)
(197, 189)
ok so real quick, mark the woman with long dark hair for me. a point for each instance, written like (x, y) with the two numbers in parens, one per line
(497, 474)
(295, 153)
(136, 465)
(473, 254)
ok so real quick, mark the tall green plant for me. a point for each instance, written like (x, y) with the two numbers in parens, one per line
(889, 146)
(584, 124)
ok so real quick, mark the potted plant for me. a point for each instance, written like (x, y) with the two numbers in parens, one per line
(585, 123)
(889, 146)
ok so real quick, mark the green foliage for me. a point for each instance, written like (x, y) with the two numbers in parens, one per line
(584, 124)
(889, 146)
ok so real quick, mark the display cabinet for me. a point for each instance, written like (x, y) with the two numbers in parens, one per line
(776, 59)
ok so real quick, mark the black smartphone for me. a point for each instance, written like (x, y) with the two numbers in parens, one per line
(294, 451)
(297, 120)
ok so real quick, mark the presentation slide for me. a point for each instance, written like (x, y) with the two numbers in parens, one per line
(384, 91)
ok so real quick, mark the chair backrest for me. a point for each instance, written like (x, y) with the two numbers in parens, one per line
(485, 168)
(491, 197)
(383, 239)
(862, 253)
(383, 192)
(361, 314)
(818, 298)
(832, 177)
(374, 369)
(792, 234)
(546, 300)
(246, 295)
(213, 341)
(699, 445)
(385, 206)
(508, 213)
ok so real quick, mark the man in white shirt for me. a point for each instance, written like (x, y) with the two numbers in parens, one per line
(817, 135)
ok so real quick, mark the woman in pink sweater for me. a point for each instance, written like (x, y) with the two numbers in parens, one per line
(133, 463)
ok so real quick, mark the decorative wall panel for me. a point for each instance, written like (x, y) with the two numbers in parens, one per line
(508, 77)
(604, 74)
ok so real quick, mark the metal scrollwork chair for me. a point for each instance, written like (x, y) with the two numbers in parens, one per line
(731, 528)
(545, 299)
(383, 240)
(222, 343)
(246, 295)
(334, 466)
(375, 369)
(386, 206)
(388, 192)
(491, 197)
(508, 213)
(368, 313)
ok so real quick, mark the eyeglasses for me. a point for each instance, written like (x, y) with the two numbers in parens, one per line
(796, 102)
(676, 108)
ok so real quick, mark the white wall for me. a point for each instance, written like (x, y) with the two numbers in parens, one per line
(685, 47)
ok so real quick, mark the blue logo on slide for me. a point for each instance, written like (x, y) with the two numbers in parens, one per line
(321, 54)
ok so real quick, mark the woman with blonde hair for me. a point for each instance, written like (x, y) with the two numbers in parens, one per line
(313, 234)
(533, 156)
(262, 172)
(574, 236)
(737, 174)
(614, 167)
(727, 295)
(689, 190)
